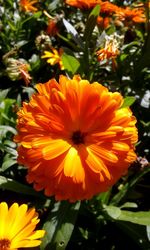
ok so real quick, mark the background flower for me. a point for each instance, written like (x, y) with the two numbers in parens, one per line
(54, 57)
(83, 3)
(28, 5)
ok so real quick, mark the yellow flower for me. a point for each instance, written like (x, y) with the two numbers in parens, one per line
(74, 138)
(17, 226)
(55, 57)
(27, 5)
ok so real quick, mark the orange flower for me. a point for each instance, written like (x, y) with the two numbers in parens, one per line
(27, 5)
(103, 22)
(52, 28)
(127, 15)
(74, 138)
(55, 57)
(24, 74)
(108, 8)
(83, 3)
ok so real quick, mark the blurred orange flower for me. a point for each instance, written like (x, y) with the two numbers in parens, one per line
(108, 8)
(24, 74)
(52, 28)
(127, 15)
(103, 22)
(17, 227)
(55, 57)
(83, 3)
(74, 138)
(27, 5)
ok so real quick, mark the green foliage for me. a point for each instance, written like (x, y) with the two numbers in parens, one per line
(128, 101)
(141, 218)
(71, 64)
(59, 225)
(91, 22)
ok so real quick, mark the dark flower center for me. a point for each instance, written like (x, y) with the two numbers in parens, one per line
(4, 244)
(78, 137)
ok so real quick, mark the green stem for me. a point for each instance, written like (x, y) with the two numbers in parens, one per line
(69, 43)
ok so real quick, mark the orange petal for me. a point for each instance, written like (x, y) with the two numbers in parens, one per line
(103, 153)
(73, 166)
(120, 146)
(55, 148)
(95, 163)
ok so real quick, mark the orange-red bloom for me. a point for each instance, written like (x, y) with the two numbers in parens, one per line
(28, 5)
(108, 8)
(103, 22)
(74, 138)
(24, 74)
(127, 15)
(52, 28)
(81, 4)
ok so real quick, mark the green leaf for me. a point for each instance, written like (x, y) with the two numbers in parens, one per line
(141, 218)
(143, 61)
(104, 197)
(3, 94)
(71, 30)
(8, 163)
(113, 212)
(148, 232)
(4, 129)
(129, 205)
(59, 225)
(136, 232)
(37, 14)
(128, 101)
(9, 184)
(52, 6)
(127, 187)
(71, 64)
(91, 22)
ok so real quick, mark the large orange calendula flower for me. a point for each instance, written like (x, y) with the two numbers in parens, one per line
(17, 225)
(54, 57)
(28, 5)
(81, 4)
(74, 138)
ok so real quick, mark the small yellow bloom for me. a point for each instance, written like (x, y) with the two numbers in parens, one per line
(17, 225)
(54, 57)
(27, 5)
